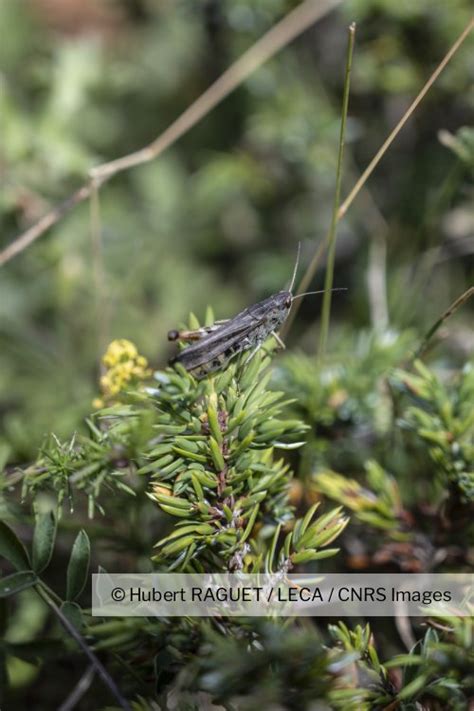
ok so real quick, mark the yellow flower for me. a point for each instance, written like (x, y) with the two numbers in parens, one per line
(125, 367)
(104, 382)
(118, 351)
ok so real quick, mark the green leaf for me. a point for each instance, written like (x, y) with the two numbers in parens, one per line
(209, 319)
(272, 549)
(43, 540)
(190, 455)
(201, 529)
(73, 612)
(250, 524)
(78, 566)
(213, 421)
(308, 516)
(177, 546)
(175, 501)
(197, 487)
(309, 555)
(193, 321)
(413, 688)
(402, 660)
(216, 454)
(16, 582)
(173, 511)
(12, 548)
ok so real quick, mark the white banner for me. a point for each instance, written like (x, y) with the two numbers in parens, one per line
(280, 594)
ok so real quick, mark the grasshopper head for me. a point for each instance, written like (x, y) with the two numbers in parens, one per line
(285, 298)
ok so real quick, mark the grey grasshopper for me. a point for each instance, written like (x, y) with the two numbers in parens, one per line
(214, 346)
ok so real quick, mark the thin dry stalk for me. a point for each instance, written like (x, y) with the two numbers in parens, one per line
(391, 137)
(98, 269)
(457, 303)
(43, 225)
(311, 270)
(326, 310)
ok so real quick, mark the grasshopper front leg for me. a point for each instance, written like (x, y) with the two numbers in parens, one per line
(278, 340)
(260, 345)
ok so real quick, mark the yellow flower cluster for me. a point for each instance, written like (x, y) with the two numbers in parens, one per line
(124, 368)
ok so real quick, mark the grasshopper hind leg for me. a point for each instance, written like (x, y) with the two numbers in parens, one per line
(194, 335)
(252, 354)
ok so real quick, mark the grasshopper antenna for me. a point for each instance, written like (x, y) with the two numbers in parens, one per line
(295, 269)
(308, 293)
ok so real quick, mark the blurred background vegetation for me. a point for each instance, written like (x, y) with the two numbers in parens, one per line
(218, 217)
(217, 220)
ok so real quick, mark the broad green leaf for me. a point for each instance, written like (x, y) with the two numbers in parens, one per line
(78, 566)
(43, 540)
(3, 618)
(73, 612)
(16, 582)
(12, 548)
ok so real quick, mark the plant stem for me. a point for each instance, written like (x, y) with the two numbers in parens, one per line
(394, 133)
(96, 663)
(457, 303)
(79, 690)
(101, 306)
(311, 270)
(326, 311)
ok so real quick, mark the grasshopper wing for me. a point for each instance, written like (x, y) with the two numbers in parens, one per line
(221, 343)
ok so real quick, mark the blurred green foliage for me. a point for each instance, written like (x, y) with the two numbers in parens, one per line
(216, 220)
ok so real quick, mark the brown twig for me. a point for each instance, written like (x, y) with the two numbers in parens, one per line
(40, 227)
(292, 25)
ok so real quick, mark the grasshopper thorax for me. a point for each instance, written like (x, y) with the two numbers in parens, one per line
(271, 312)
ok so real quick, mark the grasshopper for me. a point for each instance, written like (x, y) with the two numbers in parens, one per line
(216, 345)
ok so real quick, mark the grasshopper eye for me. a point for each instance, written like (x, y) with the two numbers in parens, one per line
(288, 301)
